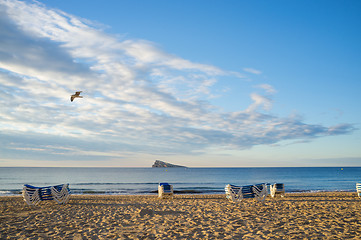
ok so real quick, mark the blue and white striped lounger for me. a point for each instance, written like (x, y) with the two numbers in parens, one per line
(238, 193)
(358, 189)
(165, 190)
(277, 188)
(33, 195)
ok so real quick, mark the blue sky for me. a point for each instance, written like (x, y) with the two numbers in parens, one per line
(197, 83)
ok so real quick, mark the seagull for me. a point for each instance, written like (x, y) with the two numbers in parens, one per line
(76, 95)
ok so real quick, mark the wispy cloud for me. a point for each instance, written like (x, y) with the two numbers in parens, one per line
(137, 98)
(252, 70)
(268, 88)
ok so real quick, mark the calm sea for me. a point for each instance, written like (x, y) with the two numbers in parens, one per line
(184, 180)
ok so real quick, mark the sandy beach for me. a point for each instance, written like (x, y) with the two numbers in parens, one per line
(297, 216)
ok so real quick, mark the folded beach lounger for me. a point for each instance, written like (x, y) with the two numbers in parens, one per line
(277, 189)
(33, 195)
(165, 190)
(358, 189)
(238, 193)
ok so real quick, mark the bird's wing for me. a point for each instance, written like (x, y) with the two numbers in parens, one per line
(71, 98)
(77, 93)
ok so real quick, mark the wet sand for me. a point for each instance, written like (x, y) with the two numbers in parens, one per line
(334, 215)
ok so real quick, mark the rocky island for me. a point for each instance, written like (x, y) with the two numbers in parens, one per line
(161, 164)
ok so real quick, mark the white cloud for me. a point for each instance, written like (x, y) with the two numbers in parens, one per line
(268, 88)
(137, 98)
(259, 100)
(252, 70)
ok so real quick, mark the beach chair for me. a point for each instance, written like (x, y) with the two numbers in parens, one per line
(260, 191)
(33, 195)
(358, 189)
(237, 193)
(165, 190)
(277, 189)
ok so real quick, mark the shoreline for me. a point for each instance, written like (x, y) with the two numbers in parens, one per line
(318, 215)
(177, 192)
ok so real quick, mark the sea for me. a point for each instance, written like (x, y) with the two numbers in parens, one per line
(141, 181)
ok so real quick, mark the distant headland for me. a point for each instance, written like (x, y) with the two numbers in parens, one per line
(161, 164)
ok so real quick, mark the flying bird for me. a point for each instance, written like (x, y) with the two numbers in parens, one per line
(76, 95)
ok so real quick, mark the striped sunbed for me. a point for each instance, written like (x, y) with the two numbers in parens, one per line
(277, 188)
(33, 195)
(238, 193)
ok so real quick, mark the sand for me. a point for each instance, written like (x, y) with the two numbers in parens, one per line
(296, 216)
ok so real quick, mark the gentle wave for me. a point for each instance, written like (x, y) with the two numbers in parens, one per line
(125, 181)
(9, 192)
(114, 183)
(139, 183)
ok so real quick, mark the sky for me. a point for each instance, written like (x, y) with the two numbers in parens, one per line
(204, 83)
